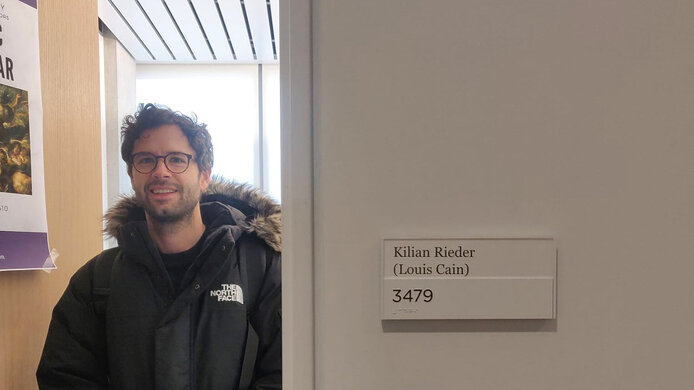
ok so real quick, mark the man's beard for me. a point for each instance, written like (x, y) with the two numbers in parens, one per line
(171, 213)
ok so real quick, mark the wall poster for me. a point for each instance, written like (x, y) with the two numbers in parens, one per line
(23, 227)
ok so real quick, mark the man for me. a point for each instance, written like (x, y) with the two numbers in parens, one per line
(197, 263)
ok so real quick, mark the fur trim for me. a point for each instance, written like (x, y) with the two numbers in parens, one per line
(263, 215)
(266, 218)
(119, 214)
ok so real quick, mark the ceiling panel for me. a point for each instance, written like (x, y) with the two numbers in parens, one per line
(184, 17)
(213, 28)
(159, 15)
(195, 31)
(120, 29)
(275, 10)
(236, 25)
(259, 22)
(143, 28)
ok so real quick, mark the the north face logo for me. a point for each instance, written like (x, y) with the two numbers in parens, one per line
(228, 293)
(2, 257)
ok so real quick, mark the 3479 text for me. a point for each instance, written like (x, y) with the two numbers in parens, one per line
(412, 295)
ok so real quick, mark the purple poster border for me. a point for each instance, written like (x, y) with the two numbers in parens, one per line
(24, 250)
(31, 3)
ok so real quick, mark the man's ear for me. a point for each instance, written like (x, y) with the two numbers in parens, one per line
(205, 179)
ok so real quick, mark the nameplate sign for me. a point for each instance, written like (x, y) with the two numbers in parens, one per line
(476, 278)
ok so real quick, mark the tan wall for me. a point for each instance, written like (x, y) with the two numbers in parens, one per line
(70, 84)
(571, 119)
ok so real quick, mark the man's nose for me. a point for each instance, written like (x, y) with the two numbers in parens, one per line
(160, 170)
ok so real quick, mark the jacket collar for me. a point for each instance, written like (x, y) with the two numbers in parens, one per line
(223, 203)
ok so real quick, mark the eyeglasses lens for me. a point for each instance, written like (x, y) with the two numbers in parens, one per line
(176, 162)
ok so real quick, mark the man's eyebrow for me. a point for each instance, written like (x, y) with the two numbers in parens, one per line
(167, 152)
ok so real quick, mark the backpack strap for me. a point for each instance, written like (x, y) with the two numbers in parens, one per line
(249, 355)
(101, 277)
(256, 274)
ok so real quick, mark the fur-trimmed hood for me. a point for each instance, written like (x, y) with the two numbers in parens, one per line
(262, 214)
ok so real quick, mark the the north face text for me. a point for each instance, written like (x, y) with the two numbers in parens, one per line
(228, 293)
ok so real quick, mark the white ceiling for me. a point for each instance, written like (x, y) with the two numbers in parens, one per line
(195, 31)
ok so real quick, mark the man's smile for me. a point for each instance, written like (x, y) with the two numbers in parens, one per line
(162, 190)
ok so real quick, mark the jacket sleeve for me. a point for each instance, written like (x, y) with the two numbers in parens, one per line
(74, 355)
(266, 319)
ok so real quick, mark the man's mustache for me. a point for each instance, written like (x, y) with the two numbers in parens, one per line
(164, 183)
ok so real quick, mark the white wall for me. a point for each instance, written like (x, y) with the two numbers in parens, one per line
(117, 69)
(119, 101)
(571, 119)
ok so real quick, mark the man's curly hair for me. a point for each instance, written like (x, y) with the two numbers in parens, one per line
(150, 116)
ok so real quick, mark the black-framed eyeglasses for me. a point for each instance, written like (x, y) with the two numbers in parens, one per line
(175, 162)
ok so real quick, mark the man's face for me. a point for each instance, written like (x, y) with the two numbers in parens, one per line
(168, 197)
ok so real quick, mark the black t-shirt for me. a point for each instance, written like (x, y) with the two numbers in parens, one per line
(178, 263)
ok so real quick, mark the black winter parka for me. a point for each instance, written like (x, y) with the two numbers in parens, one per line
(152, 337)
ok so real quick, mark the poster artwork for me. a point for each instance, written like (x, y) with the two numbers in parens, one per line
(15, 145)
